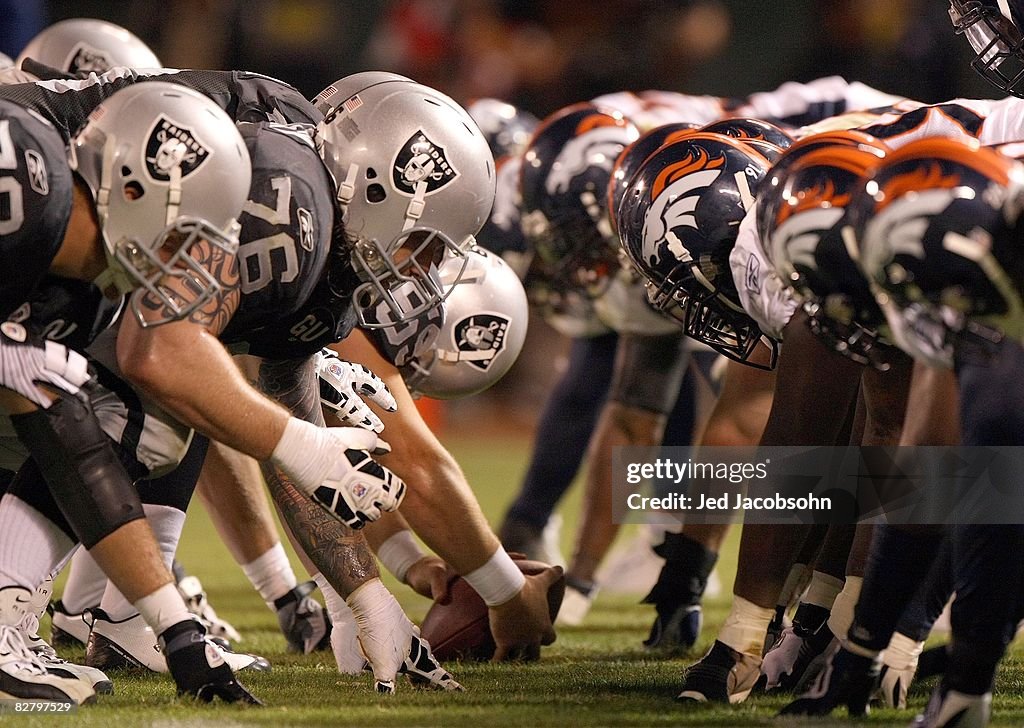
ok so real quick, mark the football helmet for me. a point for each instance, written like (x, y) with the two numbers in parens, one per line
(5, 61)
(415, 181)
(564, 186)
(506, 127)
(486, 316)
(630, 159)
(993, 28)
(84, 45)
(748, 129)
(936, 227)
(810, 247)
(167, 170)
(678, 221)
(770, 197)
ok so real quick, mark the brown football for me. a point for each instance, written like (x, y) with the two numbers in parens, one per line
(460, 630)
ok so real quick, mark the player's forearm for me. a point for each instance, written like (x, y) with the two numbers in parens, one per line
(203, 388)
(341, 554)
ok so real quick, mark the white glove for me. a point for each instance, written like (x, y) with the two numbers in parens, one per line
(342, 386)
(332, 465)
(391, 643)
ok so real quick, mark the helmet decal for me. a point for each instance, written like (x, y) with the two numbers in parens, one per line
(599, 147)
(916, 179)
(84, 57)
(480, 338)
(421, 160)
(821, 195)
(172, 145)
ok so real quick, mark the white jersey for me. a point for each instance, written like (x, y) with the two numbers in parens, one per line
(761, 292)
(623, 308)
(990, 122)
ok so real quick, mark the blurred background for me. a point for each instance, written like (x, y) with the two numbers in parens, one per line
(541, 55)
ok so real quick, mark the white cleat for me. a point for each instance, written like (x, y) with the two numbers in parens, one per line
(949, 709)
(131, 644)
(69, 629)
(23, 676)
(575, 606)
(191, 590)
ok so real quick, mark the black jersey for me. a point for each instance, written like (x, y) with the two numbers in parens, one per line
(35, 201)
(67, 102)
(287, 224)
(70, 311)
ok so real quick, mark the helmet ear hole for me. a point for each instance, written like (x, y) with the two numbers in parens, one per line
(132, 190)
(371, 173)
(375, 193)
(126, 171)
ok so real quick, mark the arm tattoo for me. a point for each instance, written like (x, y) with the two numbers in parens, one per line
(341, 554)
(222, 267)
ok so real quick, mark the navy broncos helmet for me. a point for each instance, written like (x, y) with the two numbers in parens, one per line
(634, 155)
(994, 30)
(506, 128)
(564, 187)
(746, 129)
(937, 229)
(809, 244)
(678, 223)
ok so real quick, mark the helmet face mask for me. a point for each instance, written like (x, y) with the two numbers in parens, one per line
(168, 174)
(997, 42)
(414, 176)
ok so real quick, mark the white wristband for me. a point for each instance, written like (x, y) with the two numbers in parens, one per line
(301, 455)
(498, 580)
(399, 552)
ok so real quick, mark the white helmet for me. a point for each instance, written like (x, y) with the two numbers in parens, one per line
(415, 179)
(167, 169)
(88, 44)
(484, 329)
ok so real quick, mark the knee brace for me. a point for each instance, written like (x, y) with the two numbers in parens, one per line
(87, 479)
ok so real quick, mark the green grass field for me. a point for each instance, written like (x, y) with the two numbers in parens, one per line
(595, 675)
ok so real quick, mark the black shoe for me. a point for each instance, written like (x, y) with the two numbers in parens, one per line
(198, 668)
(675, 629)
(723, 675)
(304, 623)
(845, 679)
(797, 657)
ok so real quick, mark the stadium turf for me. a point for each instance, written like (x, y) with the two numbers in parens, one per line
(594, 675)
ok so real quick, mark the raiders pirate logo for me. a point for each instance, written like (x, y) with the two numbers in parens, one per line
(419, 160)
(480, 338)
(307, 239)
(84, 58)
(171, 145)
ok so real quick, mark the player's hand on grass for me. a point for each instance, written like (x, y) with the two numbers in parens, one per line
(431, 577)
(423, 669)
(522, 625)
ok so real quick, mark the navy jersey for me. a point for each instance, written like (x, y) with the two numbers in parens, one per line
(35, 201)
(245, 96)
(287, 224)
(69, 311)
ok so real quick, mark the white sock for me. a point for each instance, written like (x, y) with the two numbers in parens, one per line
(85, 584)
(841, 618)
(166, 522)
(31, 545)
(271, 574)
(902, 652)
(823, 590)
(745, 627)
(163, 608)
(344, 634)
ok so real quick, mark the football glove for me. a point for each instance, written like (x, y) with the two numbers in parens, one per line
(343, 384)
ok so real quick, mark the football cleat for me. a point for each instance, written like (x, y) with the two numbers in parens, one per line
(675, 630)
(23, 675)
(130, 644)
(951, 709)
(29, 628)
(537, 544)
(579, 597)
(723, 675)
(68, 629)
(845, 679)
(305, 624)
(192, 592)
(198, 666)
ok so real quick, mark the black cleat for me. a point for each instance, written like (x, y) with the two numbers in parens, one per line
(845, 679)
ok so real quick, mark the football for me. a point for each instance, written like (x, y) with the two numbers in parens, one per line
(459, 629)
